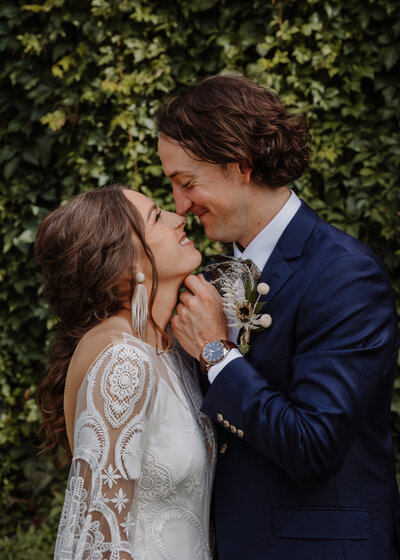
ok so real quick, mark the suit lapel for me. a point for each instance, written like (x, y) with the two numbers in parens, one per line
(276, 273)
(278, 270)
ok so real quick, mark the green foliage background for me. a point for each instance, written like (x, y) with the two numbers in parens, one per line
(80, 81)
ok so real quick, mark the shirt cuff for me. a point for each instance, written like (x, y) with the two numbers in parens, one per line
(214, 370)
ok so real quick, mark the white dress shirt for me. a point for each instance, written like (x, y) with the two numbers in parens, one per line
(259, 251)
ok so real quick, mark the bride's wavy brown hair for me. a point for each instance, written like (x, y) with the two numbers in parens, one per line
(85, 248)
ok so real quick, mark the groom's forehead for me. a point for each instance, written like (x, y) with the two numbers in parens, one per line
(176, 160)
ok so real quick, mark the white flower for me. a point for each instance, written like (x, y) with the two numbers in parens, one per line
(192, 484)
(110, 476)
(239, 311)
(265, 320)
(234, 293)
(105, 499)
(128, 524)
(262, 288)
(120, 500)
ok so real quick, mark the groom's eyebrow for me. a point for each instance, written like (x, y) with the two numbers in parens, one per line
(179, 172)
(154, 207)
(175, 173)
(185, 173)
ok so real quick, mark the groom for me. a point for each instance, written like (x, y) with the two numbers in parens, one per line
(306, 468)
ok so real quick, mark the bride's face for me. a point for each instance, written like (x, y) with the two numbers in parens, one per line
(174, 254)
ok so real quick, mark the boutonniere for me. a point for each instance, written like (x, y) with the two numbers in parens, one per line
(236, 281)
(242, 306)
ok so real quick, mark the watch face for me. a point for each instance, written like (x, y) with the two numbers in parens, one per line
(214, 352)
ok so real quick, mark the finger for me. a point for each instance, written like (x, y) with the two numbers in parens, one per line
(198, 285)
(203, 279)
(179, 309)
(185, 297)
(193, 283)
(206, 284)
(209, 288)
(175, 324)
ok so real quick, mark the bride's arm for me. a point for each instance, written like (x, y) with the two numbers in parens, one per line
(99, 514)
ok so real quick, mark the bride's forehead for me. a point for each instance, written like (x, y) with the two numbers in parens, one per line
(139, 200)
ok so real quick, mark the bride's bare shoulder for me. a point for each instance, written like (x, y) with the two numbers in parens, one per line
(94, 342)
(89, 349)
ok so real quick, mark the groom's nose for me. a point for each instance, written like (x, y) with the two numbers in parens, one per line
(182, 202)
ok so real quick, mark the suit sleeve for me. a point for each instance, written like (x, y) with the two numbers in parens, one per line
(345, 348)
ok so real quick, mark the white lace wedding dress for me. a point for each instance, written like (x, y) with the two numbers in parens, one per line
(140, 481)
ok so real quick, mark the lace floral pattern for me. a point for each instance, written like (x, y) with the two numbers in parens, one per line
(143, 461)
(122, 385)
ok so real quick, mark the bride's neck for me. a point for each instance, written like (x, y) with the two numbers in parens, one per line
(164, 305)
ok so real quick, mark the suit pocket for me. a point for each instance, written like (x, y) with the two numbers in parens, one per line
(321, 523)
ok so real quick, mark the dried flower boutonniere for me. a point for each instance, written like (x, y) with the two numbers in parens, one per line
(236, 280)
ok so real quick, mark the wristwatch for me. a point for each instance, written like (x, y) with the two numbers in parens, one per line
(214, 352)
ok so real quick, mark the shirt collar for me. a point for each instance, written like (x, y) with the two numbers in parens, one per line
(261, 247)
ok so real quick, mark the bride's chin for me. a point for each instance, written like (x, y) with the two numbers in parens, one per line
(197, 258)
(182, 269)
(194, 262)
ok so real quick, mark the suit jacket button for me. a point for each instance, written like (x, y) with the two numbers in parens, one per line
(233, 429)
(226, 423)
(220, 418)
(223, 448)
(240, 433)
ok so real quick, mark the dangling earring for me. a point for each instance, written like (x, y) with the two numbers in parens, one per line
(139, 307)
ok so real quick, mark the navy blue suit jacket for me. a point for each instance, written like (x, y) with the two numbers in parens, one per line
(312, 476)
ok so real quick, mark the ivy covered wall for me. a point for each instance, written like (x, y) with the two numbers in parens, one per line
(79, 84)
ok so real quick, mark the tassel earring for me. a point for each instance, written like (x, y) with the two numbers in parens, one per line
(139, 307)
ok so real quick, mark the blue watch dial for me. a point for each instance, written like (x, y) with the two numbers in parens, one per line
(214, 352)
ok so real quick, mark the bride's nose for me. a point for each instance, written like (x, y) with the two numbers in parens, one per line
(180, 221)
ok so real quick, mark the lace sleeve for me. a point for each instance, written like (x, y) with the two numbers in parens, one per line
(98, 517)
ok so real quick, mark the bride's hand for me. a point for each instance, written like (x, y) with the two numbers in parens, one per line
(200, 316)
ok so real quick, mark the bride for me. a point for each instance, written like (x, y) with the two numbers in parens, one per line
(120, 398)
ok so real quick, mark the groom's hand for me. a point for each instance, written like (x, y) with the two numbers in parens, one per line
(200, 316)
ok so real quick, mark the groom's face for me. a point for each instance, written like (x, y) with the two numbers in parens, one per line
(216, 194)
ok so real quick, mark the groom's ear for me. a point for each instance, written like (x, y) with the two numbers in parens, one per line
(244, 170)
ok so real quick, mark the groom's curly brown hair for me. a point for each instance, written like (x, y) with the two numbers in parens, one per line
(229, 118)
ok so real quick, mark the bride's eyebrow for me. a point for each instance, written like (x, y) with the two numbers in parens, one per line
(154, 207)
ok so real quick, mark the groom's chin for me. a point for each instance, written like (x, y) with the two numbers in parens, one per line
(220, 237)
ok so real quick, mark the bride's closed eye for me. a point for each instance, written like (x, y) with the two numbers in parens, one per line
(158, 215)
